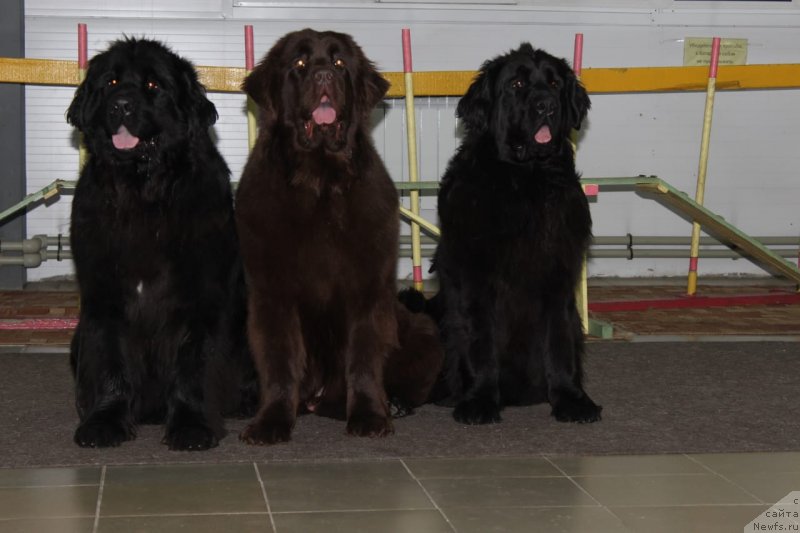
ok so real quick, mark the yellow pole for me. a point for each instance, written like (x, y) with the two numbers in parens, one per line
(252, 109)
(703, 165)
(582, 290)
(83, 64)
(413, 176)
(417, 219)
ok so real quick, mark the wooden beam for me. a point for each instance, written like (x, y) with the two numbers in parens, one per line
(676, 79)
(455, 83)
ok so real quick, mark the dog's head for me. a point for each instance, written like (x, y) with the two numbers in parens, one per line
(528, 101)
(139, 98)
(318, 86)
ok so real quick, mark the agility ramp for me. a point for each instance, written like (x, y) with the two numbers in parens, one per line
(710, 222)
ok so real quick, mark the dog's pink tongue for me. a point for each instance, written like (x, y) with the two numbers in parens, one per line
(324, 113)
(543, 136)
(123, 140)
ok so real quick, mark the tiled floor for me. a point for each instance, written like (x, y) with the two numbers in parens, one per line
(670, 493)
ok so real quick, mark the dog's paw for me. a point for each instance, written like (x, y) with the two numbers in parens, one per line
(261, 434)
(190, 438)
(103, 433)
(571, 409)
(369, 425)
(271, 426)
(399, 408)
(476, 411)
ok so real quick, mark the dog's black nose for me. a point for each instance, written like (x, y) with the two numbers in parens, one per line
(123, 106)
(323, 77)
(545, 107)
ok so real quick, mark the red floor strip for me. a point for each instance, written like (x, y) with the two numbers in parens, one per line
(39, 324)
(695, 302)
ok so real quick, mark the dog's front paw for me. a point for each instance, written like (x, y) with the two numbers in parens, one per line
(190, 438)
(369, 425)
(271, 426)
(103, 433)
(581, 409)
(477, 411)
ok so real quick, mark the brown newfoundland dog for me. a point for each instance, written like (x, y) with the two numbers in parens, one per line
(317, 216)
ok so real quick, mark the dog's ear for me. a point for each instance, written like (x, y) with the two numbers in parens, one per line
(260, 85)
(201, 111)
(76, 112)
(373, 86)
(87, 99)
(578, 102)
(475, 107)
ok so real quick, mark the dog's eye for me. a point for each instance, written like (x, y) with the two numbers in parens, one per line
(554, 84)
(518, 84)
(112, 82)
(300, 64)
(151, 86)
(338, 63)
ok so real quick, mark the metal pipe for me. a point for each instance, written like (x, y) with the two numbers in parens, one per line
(35, 259)
(641, 253)
(684, 241)
(666, 253)
(653, 240)
(30, 253)
(23, 252)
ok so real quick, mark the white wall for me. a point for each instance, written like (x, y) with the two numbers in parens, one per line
(753, 154)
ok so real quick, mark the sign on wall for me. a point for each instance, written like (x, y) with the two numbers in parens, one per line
(697, 51)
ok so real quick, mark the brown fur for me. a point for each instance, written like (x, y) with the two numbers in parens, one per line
(317, 215)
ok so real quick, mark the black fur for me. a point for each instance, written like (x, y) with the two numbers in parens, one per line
(515, 226)
(161, 331)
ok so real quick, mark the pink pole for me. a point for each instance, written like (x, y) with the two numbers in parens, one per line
(407, 50)
(83, 66)
(82, 48)
(578, 57)
(413, 172)
(582, 289)
(249, 64)
(249, 61)
(694, 251)
(712, 69)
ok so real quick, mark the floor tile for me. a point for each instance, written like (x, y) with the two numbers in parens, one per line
(750, 463)
(47, 502)
(535, 520)
(182, 489)
(392, 469)
(341, 486)
(49, 477)
(48, 525)
(481, 467)
(705, 519)
(768, 487)
(624, 465)
(506, 492)
(344, 494)
(415, 521)
(240, 523)
(664, 490)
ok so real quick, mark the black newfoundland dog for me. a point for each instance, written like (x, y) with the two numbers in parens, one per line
(161, 329)
(318, 220)
(515, 226)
